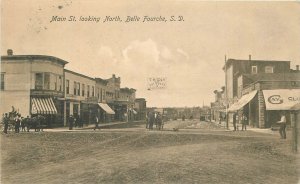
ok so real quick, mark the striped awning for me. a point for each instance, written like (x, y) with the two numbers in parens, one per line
(106, 108)
(42, 106)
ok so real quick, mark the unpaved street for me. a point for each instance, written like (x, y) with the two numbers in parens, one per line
(203, 153)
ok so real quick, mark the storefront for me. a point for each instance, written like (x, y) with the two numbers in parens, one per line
(280, 100)
(245, 105)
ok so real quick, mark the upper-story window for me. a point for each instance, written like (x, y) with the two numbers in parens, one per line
(269, 69)
(47, 81)
(78, 88)
(93, 91)
(83, 88)
(88, 91)
(2, 81)
(254, 69)
(39, 81)
(67, 86)
(75, 86)
(60, 83)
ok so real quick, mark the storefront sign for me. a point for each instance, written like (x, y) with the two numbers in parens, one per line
(282, 99)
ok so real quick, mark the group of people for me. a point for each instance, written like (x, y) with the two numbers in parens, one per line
(75, 121)
(16, 122)
(154, 118)
(244, 122)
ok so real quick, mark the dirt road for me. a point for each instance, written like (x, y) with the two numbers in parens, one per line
(203, 155)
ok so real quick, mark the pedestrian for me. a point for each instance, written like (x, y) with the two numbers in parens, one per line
(282, 128)
(151, 121)
(96, 123)
(147, 121)
(159, 122)
(244, 122)
(71, 122)
(234, 121)
(23, 122)
(5, 121)
(18, 122)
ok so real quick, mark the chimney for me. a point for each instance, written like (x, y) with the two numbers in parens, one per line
(249, 57)
(9, 52)
(297, 67)
(113, 76)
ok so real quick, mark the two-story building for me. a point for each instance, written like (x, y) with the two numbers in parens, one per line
(246, 85)
(33, 85)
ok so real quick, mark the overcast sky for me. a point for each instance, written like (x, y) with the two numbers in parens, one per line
(189, 53)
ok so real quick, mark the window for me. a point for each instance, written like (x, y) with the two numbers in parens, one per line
(47, 81)
(2, 81)
(67, 86)
(93, 91)
(60, 83)
(55, 82)
(254, 70)
(75, 85)
(88, 90)
(269, 69)
(78, 88)
(82, 89)
(39, 81)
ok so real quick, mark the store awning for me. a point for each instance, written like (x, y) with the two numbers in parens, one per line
(242, 101)
(106, 108)
(282, 99)
(134, 112)
(42, 106)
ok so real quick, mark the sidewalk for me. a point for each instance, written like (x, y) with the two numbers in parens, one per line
(249, 128)
(90, 126)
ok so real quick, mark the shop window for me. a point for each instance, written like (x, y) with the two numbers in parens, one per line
(67, 86)
(269, 69)
(254, 69)
(2, 81)
(39, 81)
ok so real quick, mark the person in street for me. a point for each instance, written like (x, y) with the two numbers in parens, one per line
(244, 122)
(18, 123)
(151, 121)
(23, 122)
(5, 121)
(71, 122)
(282, 128)
(234, 121)
(97, 123)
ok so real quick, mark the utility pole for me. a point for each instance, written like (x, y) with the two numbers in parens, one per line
(226, 96)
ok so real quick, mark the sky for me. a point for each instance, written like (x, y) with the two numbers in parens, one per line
(188, 54)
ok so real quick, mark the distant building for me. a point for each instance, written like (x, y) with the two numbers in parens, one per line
(218, 107)
(140, 107)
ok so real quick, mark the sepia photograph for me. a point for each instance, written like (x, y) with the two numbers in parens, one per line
(160, 91)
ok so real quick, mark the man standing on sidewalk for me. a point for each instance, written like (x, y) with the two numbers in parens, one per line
(244, 122)
(282, 126)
